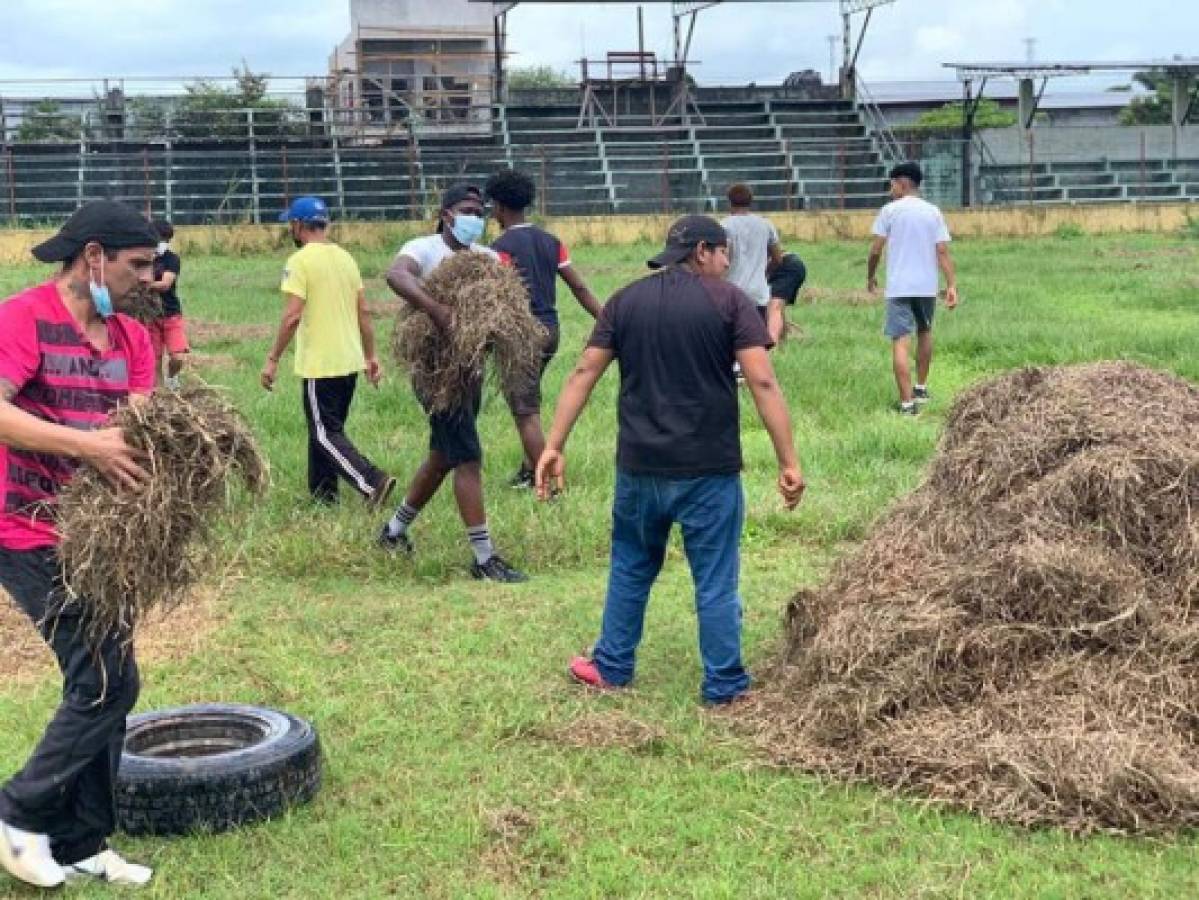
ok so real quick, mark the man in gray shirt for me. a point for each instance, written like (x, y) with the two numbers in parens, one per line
(753, 249)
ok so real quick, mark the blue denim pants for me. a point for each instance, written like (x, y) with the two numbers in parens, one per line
(710, 510)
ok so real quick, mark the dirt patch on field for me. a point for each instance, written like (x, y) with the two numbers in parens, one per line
(609, 730)
(202, 332)
(507, 831)
(1146, 253)
(220, 362)
(26, 658)
(839, 297)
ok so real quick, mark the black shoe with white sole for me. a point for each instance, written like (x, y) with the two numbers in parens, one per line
(497, 569)
(399, 543)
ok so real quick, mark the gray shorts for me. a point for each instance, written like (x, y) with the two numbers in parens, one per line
(908, 314)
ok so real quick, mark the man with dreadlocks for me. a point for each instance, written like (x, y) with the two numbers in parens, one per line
(66, 360)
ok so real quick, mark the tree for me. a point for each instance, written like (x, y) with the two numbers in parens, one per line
(210, 110)
(45, 121)
(987, 115)
(1154, 109)
(534, 78)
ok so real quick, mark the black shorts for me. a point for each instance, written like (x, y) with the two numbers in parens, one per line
(526, 400)
(788, 278)
(455, 434)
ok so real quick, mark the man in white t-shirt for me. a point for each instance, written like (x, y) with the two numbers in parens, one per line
(916, 239)
(453, 436)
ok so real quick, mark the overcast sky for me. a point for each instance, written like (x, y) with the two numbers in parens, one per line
(734, 43)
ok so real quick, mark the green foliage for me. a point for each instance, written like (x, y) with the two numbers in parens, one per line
(1069, 231)
(45, 121)
(1147, 111)
(1156, 109)
(532, 78)
(146, 118)
(952, 115)
(211, 110)
(1191, 228)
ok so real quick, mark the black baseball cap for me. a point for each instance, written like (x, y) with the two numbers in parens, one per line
(908, 170)
(685, 235)
(455, 194)
(113, 225)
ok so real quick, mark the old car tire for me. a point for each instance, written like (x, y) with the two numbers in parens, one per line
(213, 767)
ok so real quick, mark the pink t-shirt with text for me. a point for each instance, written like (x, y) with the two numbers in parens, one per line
(60, 377)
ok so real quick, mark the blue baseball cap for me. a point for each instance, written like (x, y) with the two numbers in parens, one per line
(306, 209)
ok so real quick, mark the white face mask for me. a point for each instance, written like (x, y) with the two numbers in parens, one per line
(162, 248)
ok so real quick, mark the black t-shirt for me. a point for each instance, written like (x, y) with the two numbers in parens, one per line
(538, 256)
(675, 335)
(169, 262)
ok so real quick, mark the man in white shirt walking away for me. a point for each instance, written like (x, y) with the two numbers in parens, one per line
(914, 233)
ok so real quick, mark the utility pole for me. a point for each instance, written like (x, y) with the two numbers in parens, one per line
(832, 57)
(1030, 49)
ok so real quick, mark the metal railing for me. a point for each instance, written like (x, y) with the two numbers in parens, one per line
(877, 125)
(144, 122)
(252, 181)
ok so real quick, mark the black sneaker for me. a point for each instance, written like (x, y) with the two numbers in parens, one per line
(523, 480)
(905, 410)
(497, 569)
(921, 394)
(400, 543)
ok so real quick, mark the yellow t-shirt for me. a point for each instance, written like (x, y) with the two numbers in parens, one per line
(328, 342)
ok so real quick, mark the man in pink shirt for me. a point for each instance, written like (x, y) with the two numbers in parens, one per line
(67, 359)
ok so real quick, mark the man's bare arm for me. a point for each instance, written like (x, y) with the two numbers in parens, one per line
(104, 449)
(945, 262)
(293, 311)
(876, 254)
(772, 407)
(575, 393)
(582, 293)
(774, 258)
(404, 279)
(163, 284)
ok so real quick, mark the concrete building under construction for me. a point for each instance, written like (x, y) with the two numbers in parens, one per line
(416, 63)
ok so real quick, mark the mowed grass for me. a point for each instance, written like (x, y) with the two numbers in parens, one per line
(461, 762)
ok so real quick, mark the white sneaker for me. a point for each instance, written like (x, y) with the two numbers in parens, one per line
(109, 866)
(27, 856)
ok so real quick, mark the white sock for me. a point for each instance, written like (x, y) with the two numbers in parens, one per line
(480, 543)
(404, 516)
(921, 387)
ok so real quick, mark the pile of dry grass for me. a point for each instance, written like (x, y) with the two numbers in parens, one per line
(1019, 636)
(127, 552)
(142, 304)
(489, 306)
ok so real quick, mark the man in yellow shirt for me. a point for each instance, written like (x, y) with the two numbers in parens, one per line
(325, 308)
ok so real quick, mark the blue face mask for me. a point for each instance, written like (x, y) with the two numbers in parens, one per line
(101, 299)
(467, 229)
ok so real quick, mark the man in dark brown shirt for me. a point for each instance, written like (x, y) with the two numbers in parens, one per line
(675, 336)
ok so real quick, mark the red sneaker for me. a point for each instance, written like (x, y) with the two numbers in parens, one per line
(584, 670)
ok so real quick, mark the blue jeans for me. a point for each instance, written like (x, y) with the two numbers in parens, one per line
(711, 511)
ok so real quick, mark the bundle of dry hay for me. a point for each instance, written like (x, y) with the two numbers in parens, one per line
(142, 304)
(489, 305)
(126, 552)
(1019, 636)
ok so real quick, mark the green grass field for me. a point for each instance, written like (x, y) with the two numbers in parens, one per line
(461, 761)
